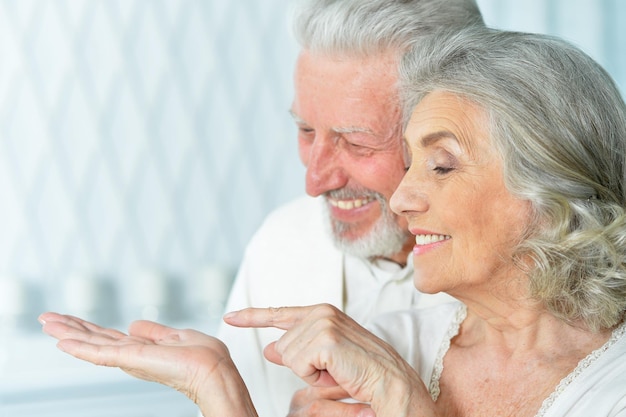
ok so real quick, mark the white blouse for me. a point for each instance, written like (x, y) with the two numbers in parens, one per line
(596, 387)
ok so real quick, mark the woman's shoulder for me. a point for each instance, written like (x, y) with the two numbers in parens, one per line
(597, 386)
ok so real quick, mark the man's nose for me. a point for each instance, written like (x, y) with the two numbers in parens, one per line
(324, 170)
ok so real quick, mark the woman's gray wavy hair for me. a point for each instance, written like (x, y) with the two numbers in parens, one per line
(360, 28)
(559, 122)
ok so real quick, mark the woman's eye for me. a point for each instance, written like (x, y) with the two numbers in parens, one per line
(442, 162)
(443, 169)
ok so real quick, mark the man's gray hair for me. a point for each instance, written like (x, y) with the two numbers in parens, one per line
(360, 28)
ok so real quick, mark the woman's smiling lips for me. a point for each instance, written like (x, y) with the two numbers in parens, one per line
(425, 241)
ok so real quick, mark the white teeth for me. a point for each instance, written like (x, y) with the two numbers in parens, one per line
(348, 204)
(427, 239)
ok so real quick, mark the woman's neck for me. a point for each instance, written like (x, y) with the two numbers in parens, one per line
(527, 329)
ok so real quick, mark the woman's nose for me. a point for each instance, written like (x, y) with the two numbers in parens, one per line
(409, 197)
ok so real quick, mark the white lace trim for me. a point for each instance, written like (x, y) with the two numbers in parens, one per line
(582, 365)
(453, 330)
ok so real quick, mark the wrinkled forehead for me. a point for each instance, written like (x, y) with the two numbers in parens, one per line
(347, 93)
(442, 115)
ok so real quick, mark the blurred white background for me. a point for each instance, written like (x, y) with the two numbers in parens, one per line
(141, 144)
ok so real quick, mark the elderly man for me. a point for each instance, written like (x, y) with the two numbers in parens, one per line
(341, 244)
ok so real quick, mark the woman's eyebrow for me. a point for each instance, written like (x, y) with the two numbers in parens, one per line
(434, 137)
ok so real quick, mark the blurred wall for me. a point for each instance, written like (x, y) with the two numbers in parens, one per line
(142, 141)
(138, 139)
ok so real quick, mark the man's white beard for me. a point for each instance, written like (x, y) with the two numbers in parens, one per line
(385, 239)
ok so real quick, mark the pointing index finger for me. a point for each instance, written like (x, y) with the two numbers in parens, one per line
(280, 317)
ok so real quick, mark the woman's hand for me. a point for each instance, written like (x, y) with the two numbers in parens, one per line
(326, 348)
(189, 361)
(322, 345)
(323, 402)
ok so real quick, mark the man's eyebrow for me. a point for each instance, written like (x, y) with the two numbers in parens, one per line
(353, 129)
(349, 129)
(295, 117)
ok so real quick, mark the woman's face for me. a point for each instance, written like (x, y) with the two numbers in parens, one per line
(453, 196)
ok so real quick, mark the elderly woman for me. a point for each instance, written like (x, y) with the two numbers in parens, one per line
(515, 194)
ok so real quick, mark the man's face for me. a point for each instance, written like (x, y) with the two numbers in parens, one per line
(349, 137)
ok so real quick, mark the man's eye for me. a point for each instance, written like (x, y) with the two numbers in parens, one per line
(358, 149)
(355, 145)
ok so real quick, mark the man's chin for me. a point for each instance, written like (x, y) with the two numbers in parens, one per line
(368, 245)
(349, 237)
(382, 238)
